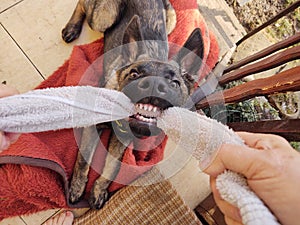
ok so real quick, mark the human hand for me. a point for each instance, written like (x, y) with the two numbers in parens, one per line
(271, 167)
(7, 138)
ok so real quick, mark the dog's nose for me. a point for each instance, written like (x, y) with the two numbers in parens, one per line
(154, 90)
(155, 86)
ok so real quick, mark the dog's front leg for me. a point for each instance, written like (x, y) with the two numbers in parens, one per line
(89, 142)
(73, 28)
(99, 194)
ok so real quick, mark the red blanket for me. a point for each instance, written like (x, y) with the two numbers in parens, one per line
(36, 170)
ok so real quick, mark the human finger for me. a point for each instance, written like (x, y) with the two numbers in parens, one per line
(6, 90)
(4, 143)
(6, 139)
(264, 141)
(230, 157)
(226, 208)
(230, 221)
(12, 136)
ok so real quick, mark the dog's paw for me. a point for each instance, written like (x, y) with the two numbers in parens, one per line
(98, 198)
(71, 32)
(76, 191)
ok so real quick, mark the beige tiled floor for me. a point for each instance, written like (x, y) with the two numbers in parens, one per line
(31, 44)
(5, 4)
(40, 217)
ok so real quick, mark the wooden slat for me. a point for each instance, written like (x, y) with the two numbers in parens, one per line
(288, 80)
(289, 129)
(208, 212)
(265, 64)
(265, 52)
(283, 13)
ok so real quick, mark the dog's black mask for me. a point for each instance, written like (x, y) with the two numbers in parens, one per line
(156, 83)
(153, 86)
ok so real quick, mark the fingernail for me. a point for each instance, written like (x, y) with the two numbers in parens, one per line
(204, 164)
(202, 158)
(208, 159)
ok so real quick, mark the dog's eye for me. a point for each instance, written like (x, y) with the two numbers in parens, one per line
(133, 74)
(174, 84)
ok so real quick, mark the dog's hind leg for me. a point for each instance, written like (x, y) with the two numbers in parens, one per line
(99, 194)
(89, 142)
(170, 16)
(73, 28)
(102, 14)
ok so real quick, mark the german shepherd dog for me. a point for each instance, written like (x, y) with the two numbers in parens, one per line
(140, 68)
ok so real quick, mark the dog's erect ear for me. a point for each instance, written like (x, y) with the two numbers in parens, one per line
(133, 45)
(190, 55)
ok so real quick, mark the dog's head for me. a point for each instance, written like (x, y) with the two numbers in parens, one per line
(155, 85)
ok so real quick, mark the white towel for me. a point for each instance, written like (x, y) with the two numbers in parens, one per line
(71, 107)
(59, 108)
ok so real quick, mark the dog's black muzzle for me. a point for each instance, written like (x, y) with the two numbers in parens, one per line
(155, 90)
(151, 95)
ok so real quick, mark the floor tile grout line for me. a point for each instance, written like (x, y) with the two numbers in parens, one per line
(22, 220)
(53, 214)
(16, 43)
(11, 6)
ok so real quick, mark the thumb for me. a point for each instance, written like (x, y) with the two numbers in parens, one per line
(240, 159)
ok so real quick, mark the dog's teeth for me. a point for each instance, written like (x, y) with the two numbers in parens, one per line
(139, 117)
(151, 120)
(145, 119)
(147, 111)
